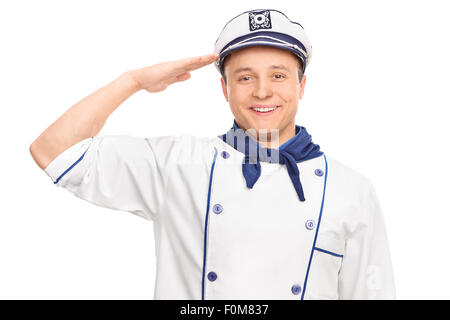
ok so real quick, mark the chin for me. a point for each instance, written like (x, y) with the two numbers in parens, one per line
(266, 130)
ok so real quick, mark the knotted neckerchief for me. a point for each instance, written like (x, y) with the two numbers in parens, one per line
(297, 149)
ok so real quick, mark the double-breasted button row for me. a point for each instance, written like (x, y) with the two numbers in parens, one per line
(226, 155)
(217, 208)
(296, 289)
(310, 225)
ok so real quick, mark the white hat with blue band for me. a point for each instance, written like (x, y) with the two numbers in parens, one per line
(265, 27)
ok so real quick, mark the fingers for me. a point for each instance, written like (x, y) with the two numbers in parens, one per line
(190, 64)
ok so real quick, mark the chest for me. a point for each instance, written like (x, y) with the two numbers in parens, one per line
(268, 213)
(254, 242)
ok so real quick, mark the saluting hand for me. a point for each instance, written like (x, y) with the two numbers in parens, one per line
(158, 77)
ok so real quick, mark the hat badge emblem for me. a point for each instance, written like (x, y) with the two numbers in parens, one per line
(259, 20)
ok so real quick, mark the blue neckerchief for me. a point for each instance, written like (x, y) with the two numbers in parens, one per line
(297, 149)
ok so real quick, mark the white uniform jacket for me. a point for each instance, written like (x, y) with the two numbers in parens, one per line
(217, 239)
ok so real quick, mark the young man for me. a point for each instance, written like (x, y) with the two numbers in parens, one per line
(256, 213)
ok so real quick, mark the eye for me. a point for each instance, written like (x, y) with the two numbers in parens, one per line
(279, 76)
(244, 78)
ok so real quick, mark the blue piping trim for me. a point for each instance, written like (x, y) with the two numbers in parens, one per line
(62, 175)
(206, 224)
(318, 225)
(329, 252)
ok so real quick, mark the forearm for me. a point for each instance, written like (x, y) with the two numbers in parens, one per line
(83, 120)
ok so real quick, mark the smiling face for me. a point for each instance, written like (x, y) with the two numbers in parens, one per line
(259, 79)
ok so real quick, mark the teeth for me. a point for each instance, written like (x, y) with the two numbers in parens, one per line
(264, 109)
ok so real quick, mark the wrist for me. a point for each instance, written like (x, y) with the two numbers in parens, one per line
(133, 79)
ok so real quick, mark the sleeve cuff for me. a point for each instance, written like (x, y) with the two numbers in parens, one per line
(67, 160)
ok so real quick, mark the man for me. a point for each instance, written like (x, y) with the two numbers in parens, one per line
(256, 213)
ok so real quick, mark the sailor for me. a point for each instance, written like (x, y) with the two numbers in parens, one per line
(257, 212)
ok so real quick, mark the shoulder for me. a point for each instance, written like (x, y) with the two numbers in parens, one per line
(350, 196)
(164, 149)
(345, 178)
(185, 148)
(346, 188)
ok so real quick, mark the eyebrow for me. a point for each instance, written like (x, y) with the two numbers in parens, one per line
(281, 67)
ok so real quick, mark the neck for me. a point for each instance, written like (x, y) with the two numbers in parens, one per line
(277, 139)
(273, 138)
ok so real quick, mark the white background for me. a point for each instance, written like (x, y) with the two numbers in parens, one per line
(376, 99)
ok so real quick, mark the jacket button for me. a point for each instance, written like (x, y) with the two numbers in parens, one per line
(318, 172)
(217, 208)
(212, 276)
(296, 289)
(310, 224)
(225, 154)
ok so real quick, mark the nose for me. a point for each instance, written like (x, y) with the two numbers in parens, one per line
(262, 89)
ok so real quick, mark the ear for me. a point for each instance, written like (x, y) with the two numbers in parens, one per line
(224, 88)
(302, 86)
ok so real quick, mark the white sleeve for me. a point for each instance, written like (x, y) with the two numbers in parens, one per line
(366, 270)
(118, 172)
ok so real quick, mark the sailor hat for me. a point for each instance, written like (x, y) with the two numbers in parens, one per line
(265, 27)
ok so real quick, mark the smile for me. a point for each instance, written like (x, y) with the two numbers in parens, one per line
(264, 110)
